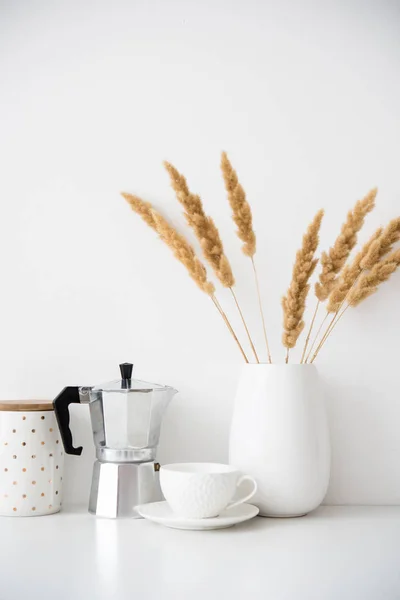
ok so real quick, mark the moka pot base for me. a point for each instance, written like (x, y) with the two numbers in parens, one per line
(117, 488)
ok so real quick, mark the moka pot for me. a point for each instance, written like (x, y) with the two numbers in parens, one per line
(126, 417)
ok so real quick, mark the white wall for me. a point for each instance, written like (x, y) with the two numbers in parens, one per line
(305, 97)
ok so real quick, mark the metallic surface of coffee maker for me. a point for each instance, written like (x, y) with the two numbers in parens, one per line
(126, 420)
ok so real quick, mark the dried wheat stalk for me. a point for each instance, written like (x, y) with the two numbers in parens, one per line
(294, 302)
(367, 284)
(349, 275)
(208, 236)
(141, 207)
(243, 218)
(382, 245)
(333, 261)
(241, 211)
(182, 250)
(332, 323)
(369, 281)
(203, 226)
(310, 331)
(180, 247)
(229, 326)
(374, 250)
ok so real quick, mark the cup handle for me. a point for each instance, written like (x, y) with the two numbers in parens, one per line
(253, 491)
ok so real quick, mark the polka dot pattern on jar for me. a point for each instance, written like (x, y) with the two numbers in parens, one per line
(31, 463)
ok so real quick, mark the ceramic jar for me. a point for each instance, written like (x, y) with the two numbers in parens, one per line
(31, 459)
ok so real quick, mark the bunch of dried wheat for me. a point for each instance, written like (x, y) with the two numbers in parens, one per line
(341, 284)
(333, 261)
(377, 247)
(208, 236)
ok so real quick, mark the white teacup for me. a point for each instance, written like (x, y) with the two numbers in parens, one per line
(202, 490)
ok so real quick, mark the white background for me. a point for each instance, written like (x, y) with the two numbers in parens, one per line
(305, 98)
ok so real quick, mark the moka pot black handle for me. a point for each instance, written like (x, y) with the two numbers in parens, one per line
(69, 395)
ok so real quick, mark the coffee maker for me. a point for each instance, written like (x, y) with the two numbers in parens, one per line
(126, 417)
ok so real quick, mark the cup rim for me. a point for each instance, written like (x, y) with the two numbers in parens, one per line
(199, 468)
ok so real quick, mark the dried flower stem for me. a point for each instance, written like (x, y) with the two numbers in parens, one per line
(243, 218)
(244, 323)
(261, 310)
(323, 339)
(316, 336)
(309, 331)
(334, 323)
(328, 330)
(229, 326)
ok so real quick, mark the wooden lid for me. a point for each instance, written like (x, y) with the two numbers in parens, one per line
(26, 405)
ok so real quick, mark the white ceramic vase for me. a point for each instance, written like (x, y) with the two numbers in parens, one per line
(279, 435)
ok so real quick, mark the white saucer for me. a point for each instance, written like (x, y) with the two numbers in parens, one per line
(160, 512)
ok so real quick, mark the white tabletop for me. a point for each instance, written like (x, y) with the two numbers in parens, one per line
(336, 553)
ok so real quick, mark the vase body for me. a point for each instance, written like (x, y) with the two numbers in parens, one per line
(280, 436)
